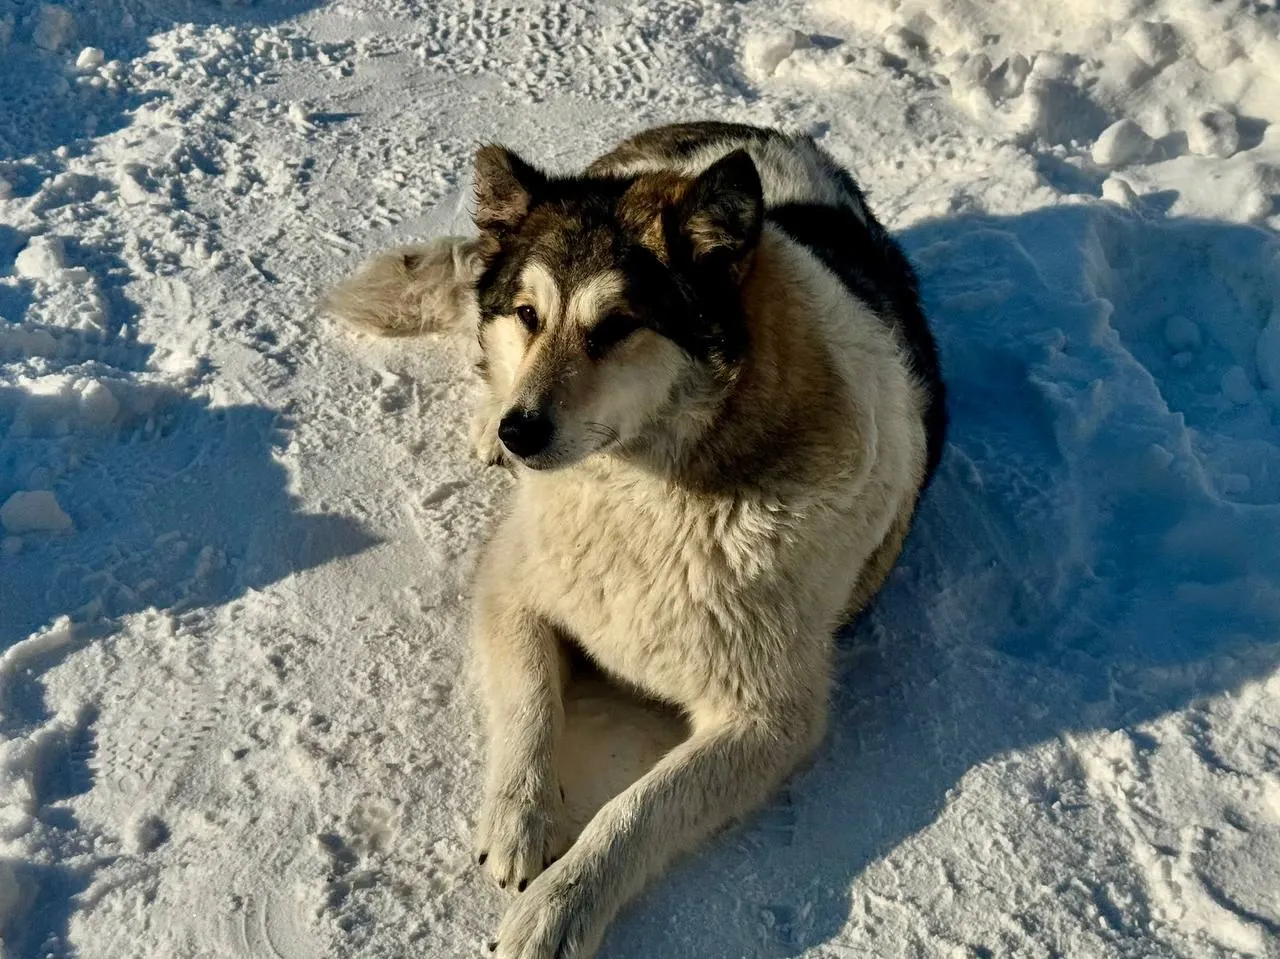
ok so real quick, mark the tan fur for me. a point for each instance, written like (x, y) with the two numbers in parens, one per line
(412, 290)
(643, 203)
(702, 546)
(596, 403)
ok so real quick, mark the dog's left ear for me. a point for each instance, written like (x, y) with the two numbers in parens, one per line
(722, 212)
(505, 189)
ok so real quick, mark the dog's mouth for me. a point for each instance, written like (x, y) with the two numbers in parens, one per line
(543, 462)
(550, 460)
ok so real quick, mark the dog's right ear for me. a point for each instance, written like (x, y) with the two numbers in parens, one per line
(505, 189)
(720, 217)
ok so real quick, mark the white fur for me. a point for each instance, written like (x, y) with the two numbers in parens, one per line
(724, 606)
(542, 291)
(590, 299)
(722, 602)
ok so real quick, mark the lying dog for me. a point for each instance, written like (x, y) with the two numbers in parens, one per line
(708, 366)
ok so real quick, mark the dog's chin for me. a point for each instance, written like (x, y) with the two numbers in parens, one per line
(545, 462)
(556, 459)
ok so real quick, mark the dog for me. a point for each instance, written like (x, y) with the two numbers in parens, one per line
(708, 367)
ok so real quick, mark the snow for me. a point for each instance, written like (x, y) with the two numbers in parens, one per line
(1214, 133)
(43, 258)
(1121, 143)
(234, 715)
(90, 58)
(1181, 333)
(29, 510)
(763, 52)
(54, 27)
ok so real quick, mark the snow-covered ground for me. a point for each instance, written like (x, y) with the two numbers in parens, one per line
(236, 539)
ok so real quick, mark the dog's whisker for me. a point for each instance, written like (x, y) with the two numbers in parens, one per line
(608, 433)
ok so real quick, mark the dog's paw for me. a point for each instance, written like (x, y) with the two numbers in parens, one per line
(519, 838)
(484, 439)
(561, 916)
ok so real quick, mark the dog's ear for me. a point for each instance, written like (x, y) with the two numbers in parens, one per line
(505, 189)
(720, 216)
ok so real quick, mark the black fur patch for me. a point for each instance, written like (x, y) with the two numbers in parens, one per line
(874, 268)
(574, 230)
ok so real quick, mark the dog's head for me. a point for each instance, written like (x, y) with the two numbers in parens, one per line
(605, 300)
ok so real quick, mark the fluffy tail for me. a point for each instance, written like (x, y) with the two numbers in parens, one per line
(429, 288)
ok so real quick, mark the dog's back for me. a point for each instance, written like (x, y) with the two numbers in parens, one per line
(815, 201)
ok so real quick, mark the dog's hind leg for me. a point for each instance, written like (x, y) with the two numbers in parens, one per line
(877, 568)
(523, 669)
(727, 768)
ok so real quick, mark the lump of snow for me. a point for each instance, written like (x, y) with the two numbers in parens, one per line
(12, 900)
(1156, 43)
(73, 187)
(1122, 142)
(55, 27)
(972, 73)
(1051, 66)
(14, 824)
(131, 191)
(299, 117)
(1118, 191)
(41, 259)
(98, 404)
(1181, 334)
(1214, 134)
(1268, 353)
(1257, 183)
(1237, 388)
(1009, 79)
(1216, 50)
(763, 52)
(90, 58)
(32, 511)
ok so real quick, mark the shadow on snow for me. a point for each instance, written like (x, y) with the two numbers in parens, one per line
(1079, 563)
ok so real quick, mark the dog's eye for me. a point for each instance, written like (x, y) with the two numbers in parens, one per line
(529, 317)
(609, 332)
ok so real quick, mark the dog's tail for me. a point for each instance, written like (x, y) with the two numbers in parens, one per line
(428, 288)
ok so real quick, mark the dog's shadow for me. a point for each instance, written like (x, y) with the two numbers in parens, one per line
(1096, 551)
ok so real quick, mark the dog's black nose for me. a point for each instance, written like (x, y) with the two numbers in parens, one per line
(525, 432)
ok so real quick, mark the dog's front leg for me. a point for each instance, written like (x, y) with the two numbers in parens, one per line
(725, 769)
(522, 673)
(484, 431)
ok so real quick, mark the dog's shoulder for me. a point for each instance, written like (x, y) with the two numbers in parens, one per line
(817, 203)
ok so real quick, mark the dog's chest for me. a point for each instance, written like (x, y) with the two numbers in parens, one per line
(659, 585)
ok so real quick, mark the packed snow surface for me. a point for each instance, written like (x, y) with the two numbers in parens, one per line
(234, 716)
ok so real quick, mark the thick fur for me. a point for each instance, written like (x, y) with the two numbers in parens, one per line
(740, 404)
(428, 288)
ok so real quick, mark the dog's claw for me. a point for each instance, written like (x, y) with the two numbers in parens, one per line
(523, 884)
(482, 858)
